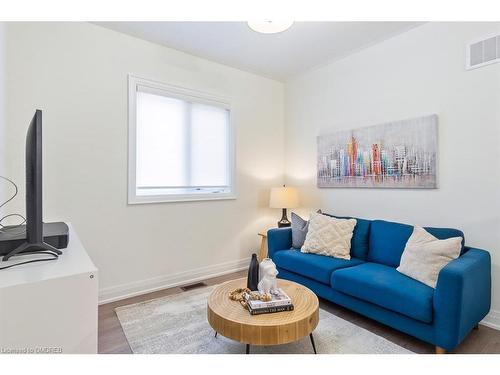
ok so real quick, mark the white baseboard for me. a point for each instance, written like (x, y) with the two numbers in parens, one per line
(123, 291)
(492, 320)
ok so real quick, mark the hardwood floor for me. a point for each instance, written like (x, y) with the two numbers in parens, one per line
(113, 340)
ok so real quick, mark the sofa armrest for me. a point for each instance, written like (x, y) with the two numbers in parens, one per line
(278, 239)
(462, 297)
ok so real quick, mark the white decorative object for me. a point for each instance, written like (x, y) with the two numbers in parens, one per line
(329, 236)
(267, 277)
(50, 307)
(266, 262)
(424, 256)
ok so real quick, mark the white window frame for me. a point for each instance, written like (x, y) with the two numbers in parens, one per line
(190, 95)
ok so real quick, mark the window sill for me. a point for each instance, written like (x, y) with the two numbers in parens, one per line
(179, 198)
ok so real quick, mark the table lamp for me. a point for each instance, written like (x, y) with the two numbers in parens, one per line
(284, 197)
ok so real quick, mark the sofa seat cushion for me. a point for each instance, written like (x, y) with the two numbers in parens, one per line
(313, 266)
(384, 286)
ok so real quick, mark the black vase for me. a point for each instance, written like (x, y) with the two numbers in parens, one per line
(253, 273)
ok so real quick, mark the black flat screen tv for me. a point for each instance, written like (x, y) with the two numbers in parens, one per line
(34, 222)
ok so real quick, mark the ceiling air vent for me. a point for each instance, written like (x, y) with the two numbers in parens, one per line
(483, 52)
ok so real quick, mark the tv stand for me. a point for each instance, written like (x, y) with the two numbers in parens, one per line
(31, 248)
(13, 239)
(50, 307)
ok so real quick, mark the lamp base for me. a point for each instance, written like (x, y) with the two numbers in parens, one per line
(284, 222)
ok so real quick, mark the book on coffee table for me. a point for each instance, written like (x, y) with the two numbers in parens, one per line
(269, 310)
(279, 299)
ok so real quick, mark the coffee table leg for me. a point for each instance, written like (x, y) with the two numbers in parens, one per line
(312, 342)
(248, 349)
(215, 334)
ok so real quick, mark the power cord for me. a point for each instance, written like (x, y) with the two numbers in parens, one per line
(10, 227)
(3, 227)
(54, 256)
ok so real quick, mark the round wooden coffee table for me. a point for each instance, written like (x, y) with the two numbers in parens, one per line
(231, 320)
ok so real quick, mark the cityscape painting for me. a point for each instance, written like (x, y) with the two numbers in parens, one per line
(399, 154)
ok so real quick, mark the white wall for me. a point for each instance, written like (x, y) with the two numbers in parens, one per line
(416, 73)
(77, 74)
(3, 170)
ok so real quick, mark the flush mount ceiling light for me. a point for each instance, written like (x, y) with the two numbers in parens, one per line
(269, 27)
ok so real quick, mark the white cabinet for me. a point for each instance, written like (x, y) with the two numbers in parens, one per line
(50, 306)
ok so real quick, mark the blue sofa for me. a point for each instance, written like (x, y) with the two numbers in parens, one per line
(369, 283)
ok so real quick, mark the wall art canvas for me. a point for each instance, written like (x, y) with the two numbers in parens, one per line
(398, 154)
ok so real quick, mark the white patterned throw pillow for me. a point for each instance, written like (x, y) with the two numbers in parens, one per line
(329, 236)
(424, 256)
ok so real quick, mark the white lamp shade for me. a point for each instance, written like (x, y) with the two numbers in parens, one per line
(284, 197)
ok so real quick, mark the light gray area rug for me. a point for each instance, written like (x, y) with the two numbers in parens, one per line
(178, 324)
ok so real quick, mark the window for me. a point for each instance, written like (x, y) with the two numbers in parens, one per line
(180, 144)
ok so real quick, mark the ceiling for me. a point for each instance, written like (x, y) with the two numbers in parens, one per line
(278, 56)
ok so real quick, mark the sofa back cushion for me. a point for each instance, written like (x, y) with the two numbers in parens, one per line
(360, 241)
(388, 240)
(445, 233)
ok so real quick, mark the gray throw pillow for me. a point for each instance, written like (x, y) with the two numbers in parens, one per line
(299, 230)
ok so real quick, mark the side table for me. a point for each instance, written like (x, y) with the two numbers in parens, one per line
(263, 245)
